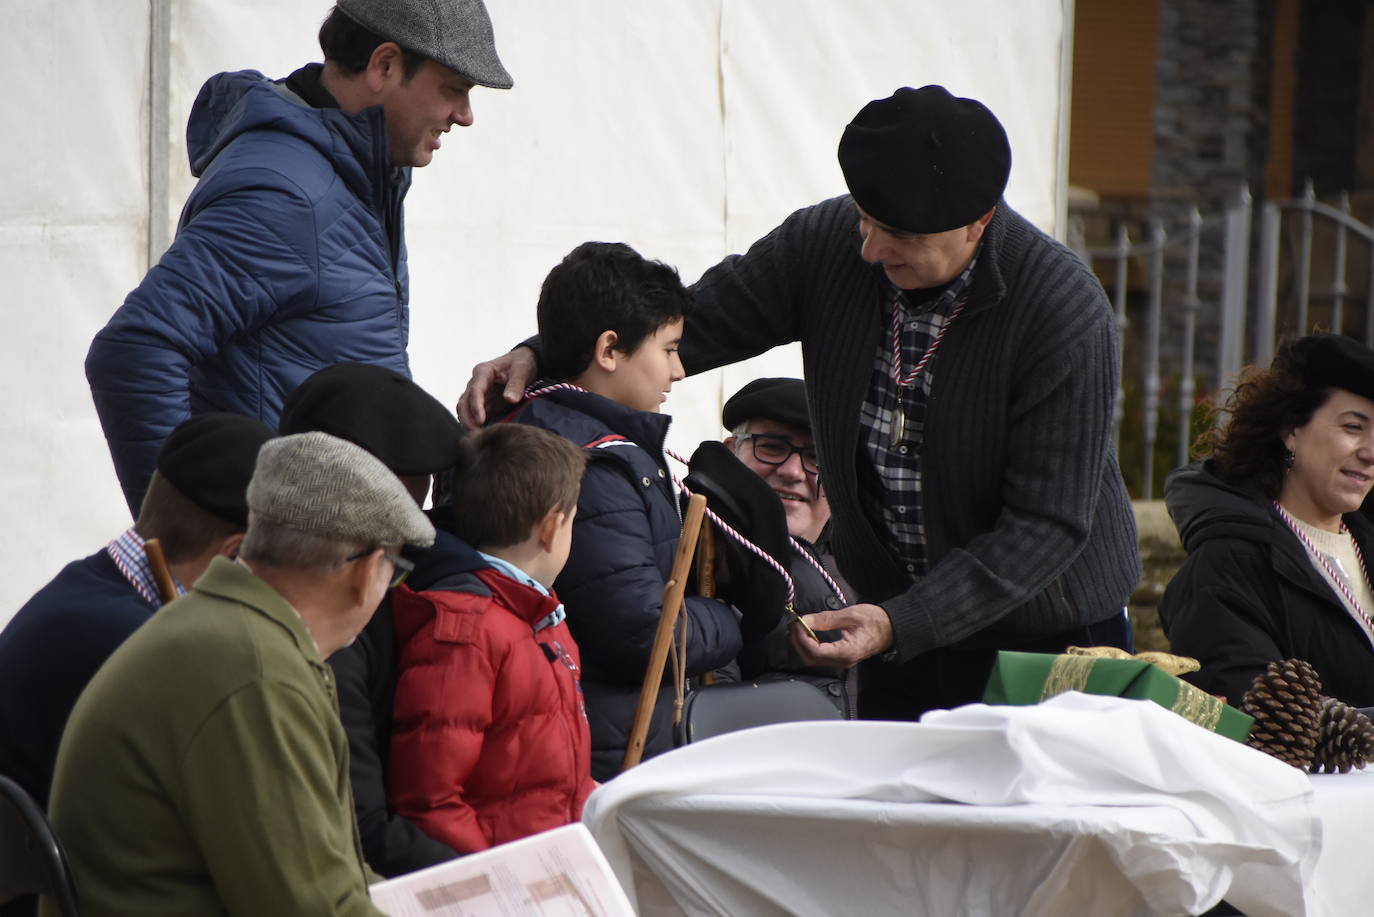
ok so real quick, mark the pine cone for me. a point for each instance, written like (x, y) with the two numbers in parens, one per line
(1345, 739)
(1286, 702)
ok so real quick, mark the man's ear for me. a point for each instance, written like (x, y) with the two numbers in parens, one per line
(360, 575)
(229, 547)
(977, 227)
(604, 355)
(729, 442)
(548, 527)
(385, 67)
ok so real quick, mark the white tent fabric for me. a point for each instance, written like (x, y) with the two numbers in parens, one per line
(1080, 805)
(685, 129)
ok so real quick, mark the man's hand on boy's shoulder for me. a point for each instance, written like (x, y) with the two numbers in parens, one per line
(496, 383)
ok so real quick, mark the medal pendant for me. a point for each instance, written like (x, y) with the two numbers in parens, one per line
(898, 425)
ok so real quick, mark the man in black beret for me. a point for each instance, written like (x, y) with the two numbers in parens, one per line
(384, 412)
(416, 437)
(770, 434)
(197, 510)
(961, 369)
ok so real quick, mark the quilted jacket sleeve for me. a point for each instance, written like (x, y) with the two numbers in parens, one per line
(612, 585)
(444, 696)
(240, 257)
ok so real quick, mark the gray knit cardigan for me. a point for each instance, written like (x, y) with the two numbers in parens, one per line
(1028, 526)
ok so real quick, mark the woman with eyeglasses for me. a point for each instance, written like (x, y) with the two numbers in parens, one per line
(1277, 545)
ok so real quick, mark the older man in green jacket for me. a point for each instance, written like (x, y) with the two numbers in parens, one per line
(204, 769)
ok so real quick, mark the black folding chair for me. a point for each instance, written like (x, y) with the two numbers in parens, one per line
(32, 861)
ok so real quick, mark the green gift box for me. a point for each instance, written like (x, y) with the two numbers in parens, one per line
(1029, 678)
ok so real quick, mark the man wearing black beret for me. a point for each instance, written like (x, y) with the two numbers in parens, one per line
(770, 434)
(415, 436)
(197, 510)
(384, 412)
(961, 370)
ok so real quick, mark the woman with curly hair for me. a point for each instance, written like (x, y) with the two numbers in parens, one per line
(1276, 544)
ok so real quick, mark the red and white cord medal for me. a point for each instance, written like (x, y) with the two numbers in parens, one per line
(898, 428)
(1332, 574)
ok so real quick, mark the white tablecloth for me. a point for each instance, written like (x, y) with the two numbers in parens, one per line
(1081, 805)
(1344, 880)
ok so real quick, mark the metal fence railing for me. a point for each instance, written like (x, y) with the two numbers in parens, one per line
(1162, 265)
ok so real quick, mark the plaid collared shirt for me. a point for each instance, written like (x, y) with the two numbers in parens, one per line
(898, 465)
(128, 555)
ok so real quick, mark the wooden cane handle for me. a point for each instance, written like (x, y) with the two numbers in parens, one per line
(161, 572)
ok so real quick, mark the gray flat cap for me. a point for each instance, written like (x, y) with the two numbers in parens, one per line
(326, 486)
(455, 33)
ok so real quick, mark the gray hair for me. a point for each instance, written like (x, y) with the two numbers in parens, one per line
(274, 545)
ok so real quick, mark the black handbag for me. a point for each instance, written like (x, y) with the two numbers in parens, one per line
(711, 710)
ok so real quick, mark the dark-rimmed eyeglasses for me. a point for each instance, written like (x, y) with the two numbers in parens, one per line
(776, 449)
(402, 568)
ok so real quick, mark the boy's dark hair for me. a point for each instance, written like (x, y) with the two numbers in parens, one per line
(598, 287)
(507, 478)
(350, 45)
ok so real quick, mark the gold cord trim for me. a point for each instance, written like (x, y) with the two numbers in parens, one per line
(1068, 673)
(1196, 705)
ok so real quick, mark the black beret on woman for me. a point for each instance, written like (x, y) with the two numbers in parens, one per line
(1277, 547)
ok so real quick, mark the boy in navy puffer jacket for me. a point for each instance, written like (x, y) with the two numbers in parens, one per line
(609, 322)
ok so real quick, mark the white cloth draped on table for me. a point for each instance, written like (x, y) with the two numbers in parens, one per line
(1080, 805)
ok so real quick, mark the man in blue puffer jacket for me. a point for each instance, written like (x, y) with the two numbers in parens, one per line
(290, 254)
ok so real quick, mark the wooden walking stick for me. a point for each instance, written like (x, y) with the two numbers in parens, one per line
(161, 572)
(706, 582)
(706, 562)
(673, 592)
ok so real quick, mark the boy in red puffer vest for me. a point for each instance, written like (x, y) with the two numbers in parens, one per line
(490, 740)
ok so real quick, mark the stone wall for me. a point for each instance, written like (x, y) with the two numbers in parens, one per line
(1161, 555)
(1212, 109)
(1212, 99)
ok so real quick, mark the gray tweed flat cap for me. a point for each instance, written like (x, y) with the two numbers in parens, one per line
(326, 486)
(455, 33)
